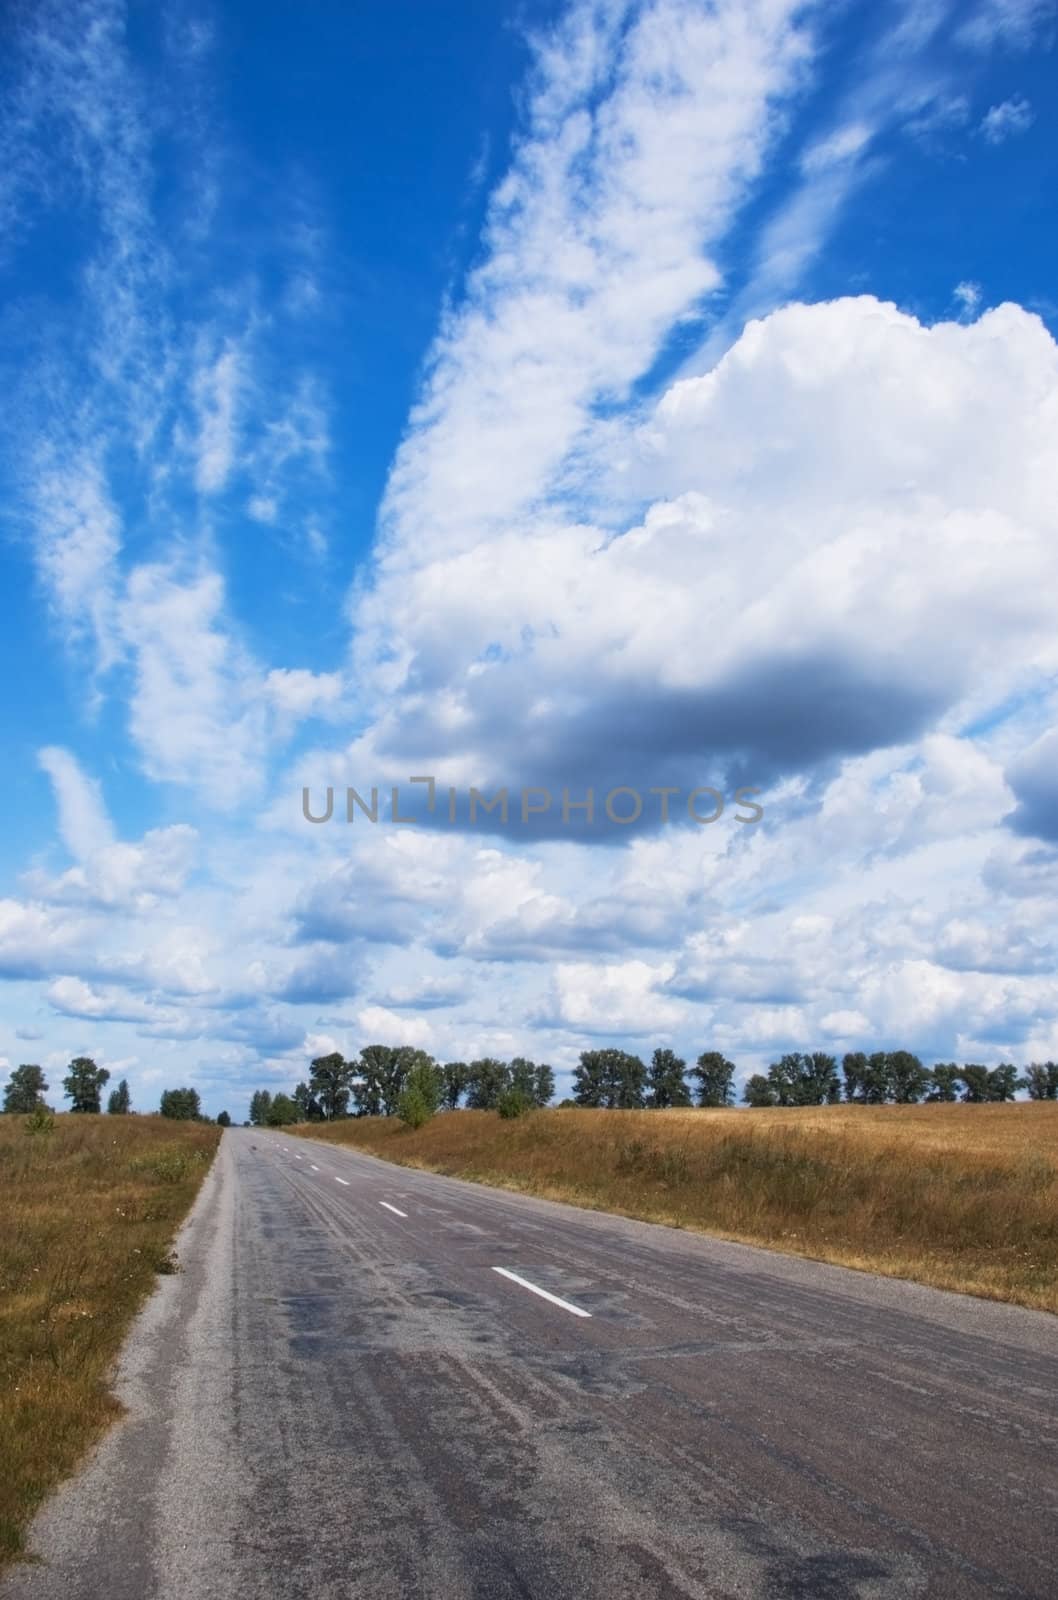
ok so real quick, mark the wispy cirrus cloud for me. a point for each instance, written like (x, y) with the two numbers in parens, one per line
(640, 145)
(142, 405)
(1007, 24)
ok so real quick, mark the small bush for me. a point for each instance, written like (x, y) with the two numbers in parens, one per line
(513, 1103)
(413, 1108)
(39, 1120)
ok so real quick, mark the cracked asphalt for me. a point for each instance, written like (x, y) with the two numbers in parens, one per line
(340, 1395)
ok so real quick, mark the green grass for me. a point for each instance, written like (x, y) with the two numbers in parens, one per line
(89, 1213)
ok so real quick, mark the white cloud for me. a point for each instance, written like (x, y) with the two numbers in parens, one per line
(34, 939)
(262, 508)
(1006, 120)
(122, 875)
(844, 144)
(303, 693)
(1010, 24)
(378, 1024)
(596, 241)
(845, 1024)
(196, 713)
(77, 542)
(83, 821)
(216, 388)
(967, 296)
(836, 507)
(615, 999)
(74, 998)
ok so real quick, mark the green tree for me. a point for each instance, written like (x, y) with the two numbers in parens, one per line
(455, 1075)
(373, 1071)
(878, 1078)
(282, 1112)
(974, 1078)
(759, 1091)
(534, 1080)
(589, 1079)
(330, 1078)
(854, 1071)
(259, 1104)
(666, 1081)
(1041, 1080)
(944, 1082)
(83, 1084)
(716, 1076)
(514, 1102)
(805, 1080)
(610, 1078)
(120, 1100)
(908, 1078)
(224, 1120)
(309, 1108)
(487, 1080)
(544, 1089)
(1004, 1082)
(25, 1089)
(423, 1077)
(382, 1074)
(182, 1104)
(413, 1108)
(628, 1076)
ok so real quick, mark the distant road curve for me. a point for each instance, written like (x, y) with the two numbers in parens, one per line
(369, 1383)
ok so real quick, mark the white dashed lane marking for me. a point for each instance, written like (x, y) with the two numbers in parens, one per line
(545, 1294)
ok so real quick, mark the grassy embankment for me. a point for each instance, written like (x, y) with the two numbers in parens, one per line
(89, 1212)
(959, 1196)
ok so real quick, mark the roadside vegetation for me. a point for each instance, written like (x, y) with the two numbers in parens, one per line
(90, 1204)
(389, 1080)
(960, 1196)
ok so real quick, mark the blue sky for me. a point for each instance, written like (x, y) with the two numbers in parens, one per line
(571, 396)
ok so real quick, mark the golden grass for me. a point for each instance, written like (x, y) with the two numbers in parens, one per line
(959, 1196)
(89, 1211)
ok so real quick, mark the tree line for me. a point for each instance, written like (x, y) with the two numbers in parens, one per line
(893, 1077)
(397, 1080)
(83, 1087)
(389, 1080)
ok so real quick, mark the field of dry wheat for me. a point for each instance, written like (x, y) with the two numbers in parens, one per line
(89, 1209)
(959, 1196)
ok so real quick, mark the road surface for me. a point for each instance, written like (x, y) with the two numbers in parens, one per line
(372, 1383)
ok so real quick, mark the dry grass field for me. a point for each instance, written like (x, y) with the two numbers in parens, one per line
(89, 1211)
(960, 1196)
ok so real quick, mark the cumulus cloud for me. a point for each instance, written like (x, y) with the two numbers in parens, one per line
(619, 998)
(1034, 780)
(835, 506)
(379, 1023)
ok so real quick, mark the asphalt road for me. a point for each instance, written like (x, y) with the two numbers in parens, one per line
(341, 1395)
